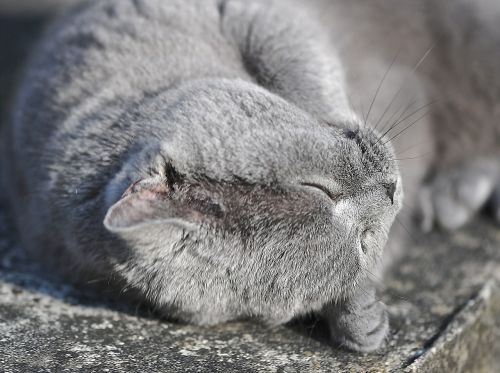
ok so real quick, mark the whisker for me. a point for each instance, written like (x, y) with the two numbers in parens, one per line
(411, 147)
(362, 111)
(408, 206)
(413, 157)
(380, 85)
(415, 68)
(375, 278)
(407, 127)
(386, 290)
(401, 113)
(399, 121)
(419, 156)
(407, 230)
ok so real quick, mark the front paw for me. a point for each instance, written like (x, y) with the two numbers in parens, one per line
(360, 326)
(456, 195)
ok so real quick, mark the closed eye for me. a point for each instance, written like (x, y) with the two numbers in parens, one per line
(332, 196)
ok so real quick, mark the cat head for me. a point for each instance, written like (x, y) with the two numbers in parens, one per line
(246, 204)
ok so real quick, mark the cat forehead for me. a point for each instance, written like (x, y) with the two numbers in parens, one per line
(231, 128)
(296, 154)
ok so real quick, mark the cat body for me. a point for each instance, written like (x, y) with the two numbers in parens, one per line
(204, 157)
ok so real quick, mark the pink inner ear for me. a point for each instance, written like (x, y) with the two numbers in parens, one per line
(143, 201)
(147, 188)
(136, 209)
(130, 189)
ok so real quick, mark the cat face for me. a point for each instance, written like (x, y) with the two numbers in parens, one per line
(248, 205)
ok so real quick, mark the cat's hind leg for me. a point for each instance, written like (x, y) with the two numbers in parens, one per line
(456, 195)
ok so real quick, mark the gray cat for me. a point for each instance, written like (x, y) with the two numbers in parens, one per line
(204, 156)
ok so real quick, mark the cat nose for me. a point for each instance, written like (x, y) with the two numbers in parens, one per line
(390, 189)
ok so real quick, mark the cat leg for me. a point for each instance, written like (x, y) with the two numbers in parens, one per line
(464, 78)
(359, 324)
(456, 195)
(294, 60)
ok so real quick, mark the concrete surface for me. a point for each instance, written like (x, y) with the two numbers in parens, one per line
(445, 317)
(444, 299)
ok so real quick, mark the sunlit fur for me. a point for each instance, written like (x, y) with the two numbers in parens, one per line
(203, 156)
(228, 120)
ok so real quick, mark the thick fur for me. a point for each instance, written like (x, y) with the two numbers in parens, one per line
(205, 156)
(446, 69)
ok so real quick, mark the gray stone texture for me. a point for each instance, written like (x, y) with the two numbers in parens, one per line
(443, 296)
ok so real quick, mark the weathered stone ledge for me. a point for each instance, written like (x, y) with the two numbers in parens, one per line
(444, 300)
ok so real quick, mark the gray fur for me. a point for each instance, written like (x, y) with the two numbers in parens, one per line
(459, 79)
(203, 155)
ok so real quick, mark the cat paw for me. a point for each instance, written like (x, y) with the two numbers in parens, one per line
(361, 329)
(456, 195)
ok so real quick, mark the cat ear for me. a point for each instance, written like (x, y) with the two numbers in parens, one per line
(145, 203)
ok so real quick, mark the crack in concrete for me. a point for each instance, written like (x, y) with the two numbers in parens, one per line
(442, 329)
